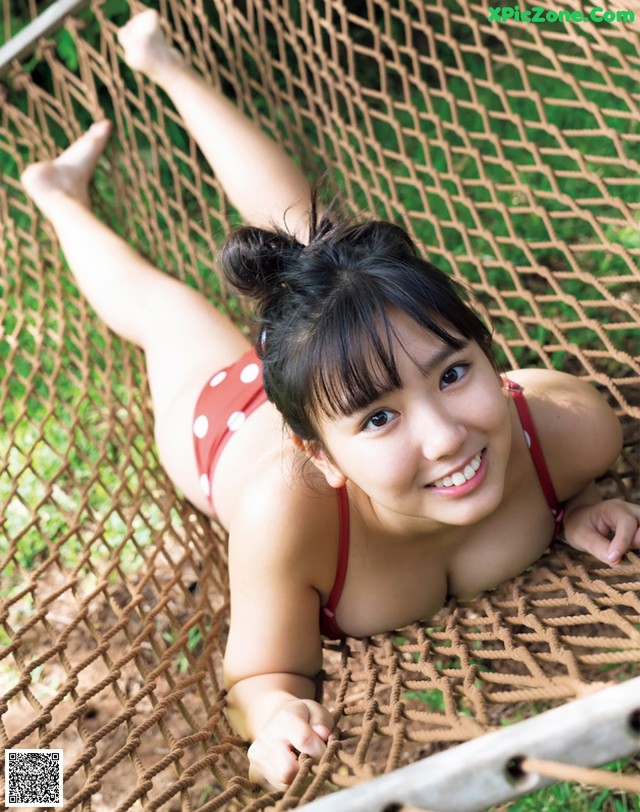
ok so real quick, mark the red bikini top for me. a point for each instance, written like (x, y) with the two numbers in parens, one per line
(328, 624)
(535, 449)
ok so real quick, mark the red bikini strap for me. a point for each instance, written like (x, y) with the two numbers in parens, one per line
(535, 448)
(343, 553)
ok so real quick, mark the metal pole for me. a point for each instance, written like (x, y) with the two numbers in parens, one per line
(486, 771)
(25, 40)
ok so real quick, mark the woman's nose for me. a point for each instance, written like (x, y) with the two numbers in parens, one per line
(442, 434)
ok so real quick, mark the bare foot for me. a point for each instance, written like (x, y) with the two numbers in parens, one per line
(69, 174)
(145, 46)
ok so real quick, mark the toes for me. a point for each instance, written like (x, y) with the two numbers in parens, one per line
(71, 171)
(87, 149)
(144, 44)
(140, 25)
(100, 129)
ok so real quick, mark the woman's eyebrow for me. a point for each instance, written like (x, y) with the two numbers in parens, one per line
(439, 358)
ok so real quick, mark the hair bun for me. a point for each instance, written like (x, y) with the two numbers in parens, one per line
(256, 261)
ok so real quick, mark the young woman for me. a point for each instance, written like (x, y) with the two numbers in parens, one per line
(410, 469)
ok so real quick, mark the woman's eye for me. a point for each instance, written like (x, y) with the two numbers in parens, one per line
(453, 375)
(378, 420)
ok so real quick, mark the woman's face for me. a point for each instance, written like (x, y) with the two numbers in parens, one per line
(438, 447)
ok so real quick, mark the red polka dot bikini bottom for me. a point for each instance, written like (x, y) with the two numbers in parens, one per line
(225, 402)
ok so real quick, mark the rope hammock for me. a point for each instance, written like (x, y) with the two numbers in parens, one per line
(510, 151)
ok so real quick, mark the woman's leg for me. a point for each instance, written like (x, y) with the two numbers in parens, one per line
(185, 339)
(260, 178)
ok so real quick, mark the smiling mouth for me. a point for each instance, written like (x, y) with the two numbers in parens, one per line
(460, 477)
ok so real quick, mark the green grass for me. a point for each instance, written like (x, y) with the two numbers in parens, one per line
(568, 797)
(60, 470)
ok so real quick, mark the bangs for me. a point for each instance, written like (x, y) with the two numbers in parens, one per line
(355, 363)
(332, 347)
(353, 370)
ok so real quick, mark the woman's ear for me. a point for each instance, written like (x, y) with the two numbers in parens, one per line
(323, 462)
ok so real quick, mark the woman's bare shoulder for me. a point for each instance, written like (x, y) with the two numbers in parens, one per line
(562, 395)
(287, 517)
(580, 434)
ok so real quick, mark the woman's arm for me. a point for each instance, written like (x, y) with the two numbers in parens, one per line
(278, 713)
(582, 438)
(279, 546)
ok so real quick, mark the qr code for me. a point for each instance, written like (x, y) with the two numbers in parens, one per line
(33, 778)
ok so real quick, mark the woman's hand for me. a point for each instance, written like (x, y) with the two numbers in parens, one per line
(299, 726)
(606, 529)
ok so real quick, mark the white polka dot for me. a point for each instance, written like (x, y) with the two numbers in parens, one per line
(200, 426)
(218, 378)
(527, 438)
(204, 484)
(249, 373)
(236, 420)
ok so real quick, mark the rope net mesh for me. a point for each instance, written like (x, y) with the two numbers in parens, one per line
(510, 152)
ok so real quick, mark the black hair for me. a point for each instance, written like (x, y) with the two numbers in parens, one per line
(325, 333)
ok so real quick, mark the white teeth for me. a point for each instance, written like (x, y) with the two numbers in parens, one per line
(460, 477)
